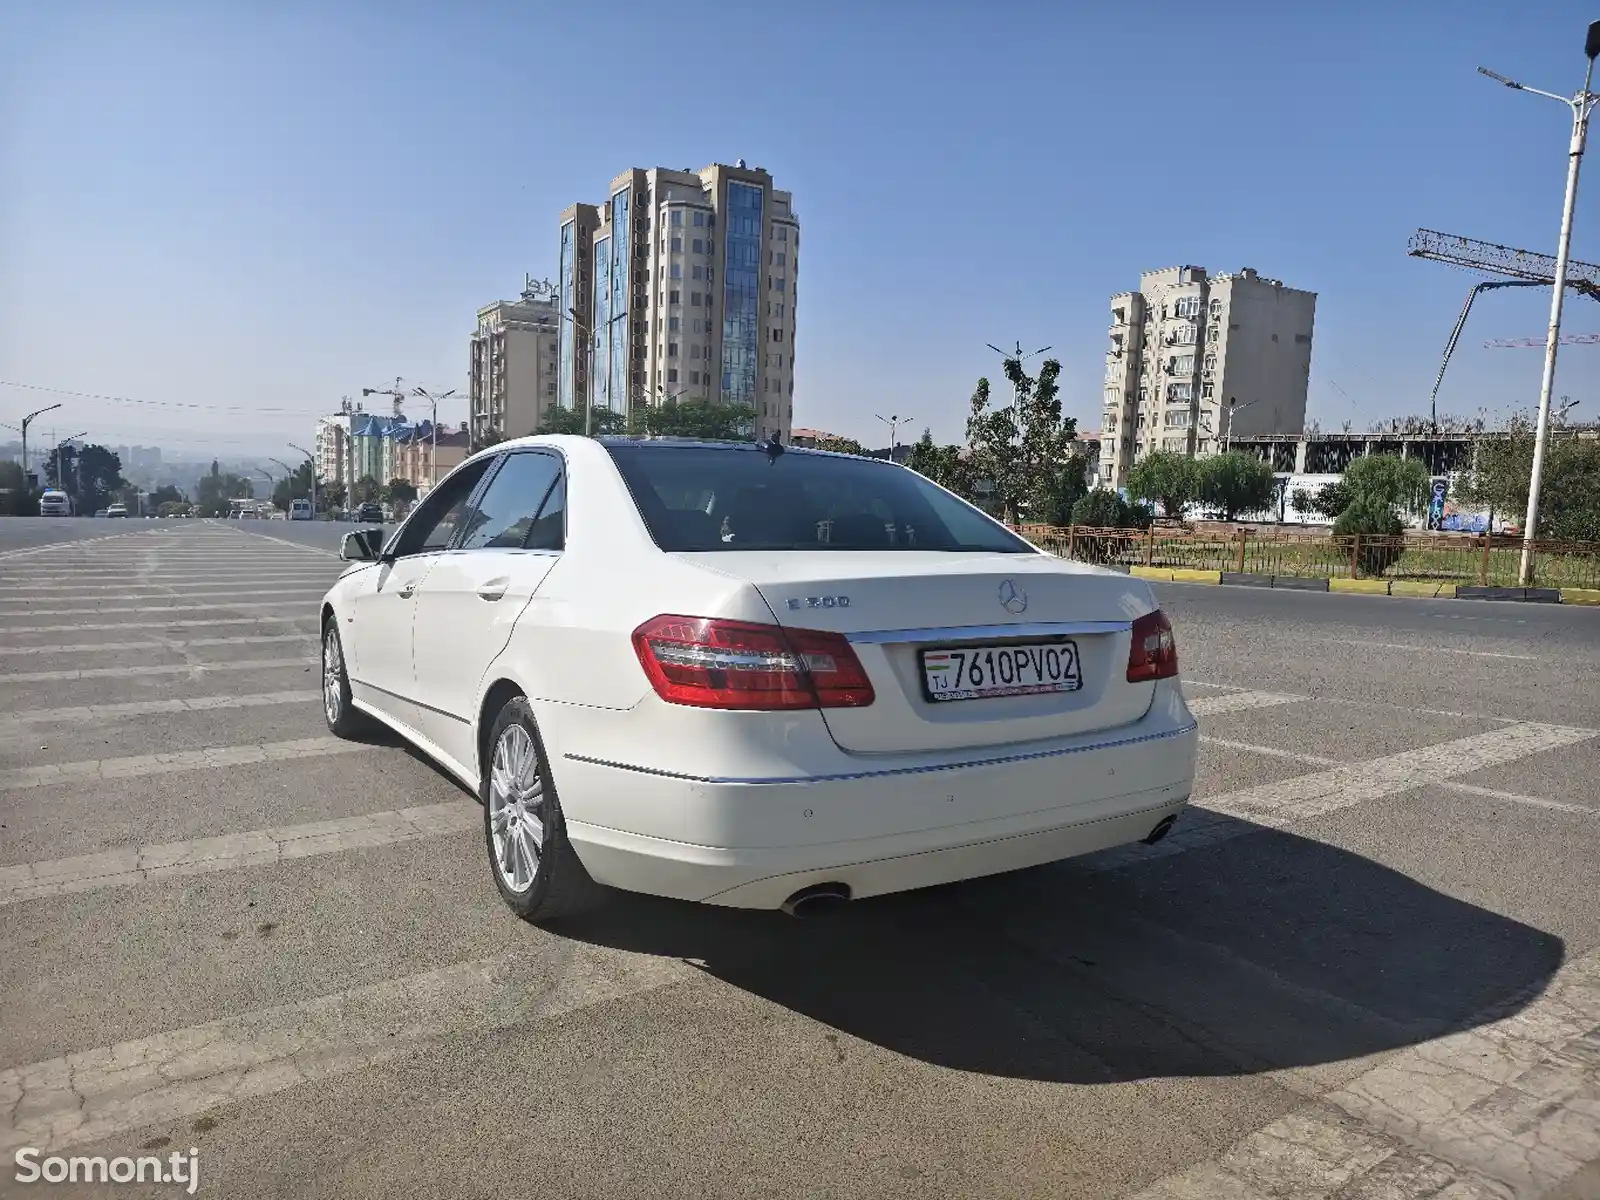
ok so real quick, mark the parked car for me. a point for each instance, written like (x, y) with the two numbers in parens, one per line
(55, 503)
(370, 512)
(753, 677)
(300, 510)
(100, 512)
(117, 510)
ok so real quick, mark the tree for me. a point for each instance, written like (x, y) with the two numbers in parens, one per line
(1377, 532)
(1167, 477)
(1569, 493)
(400, 491)
(217, 488)
(296, 486)
(166, 494)
(92, 473)
(944, 465)
(571, 421)
(840, 445)
(1386, 481)
(366, 490)
(1235, 483)
(1063, 490)
(331, 495)
(706, 420)
(1022, 449)
(16, 498)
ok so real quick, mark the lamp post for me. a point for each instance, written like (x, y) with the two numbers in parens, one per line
(1227, 430)
(588, 340)
(313, 464)
(61, 479)
(26, 421)
(433, 402)
(893, 421)
(1579, 106)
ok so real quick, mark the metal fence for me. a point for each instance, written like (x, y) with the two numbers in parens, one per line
(1432, 557)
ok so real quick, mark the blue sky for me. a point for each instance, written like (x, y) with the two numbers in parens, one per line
(265, 206)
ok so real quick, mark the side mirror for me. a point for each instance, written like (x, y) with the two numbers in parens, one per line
(363, 545)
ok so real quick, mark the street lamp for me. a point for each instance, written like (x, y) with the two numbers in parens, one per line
(1227, 430)
(588, 338)
(894, 421)
(26, 421)
(1579, 106)
(313, 464)
(433, 401)
(61, 480)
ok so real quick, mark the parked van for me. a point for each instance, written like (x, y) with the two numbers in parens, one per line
(300, 510)
(55, 503)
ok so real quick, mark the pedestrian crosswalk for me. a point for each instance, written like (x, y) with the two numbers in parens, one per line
(207, 902)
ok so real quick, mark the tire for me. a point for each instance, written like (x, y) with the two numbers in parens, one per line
(522, 820)
(337, 710)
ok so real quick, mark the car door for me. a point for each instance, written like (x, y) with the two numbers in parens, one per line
(378, 625)
(472, 597)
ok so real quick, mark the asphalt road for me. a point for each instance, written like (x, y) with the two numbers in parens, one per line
(1367, 962)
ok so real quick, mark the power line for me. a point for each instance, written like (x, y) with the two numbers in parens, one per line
(38, 387)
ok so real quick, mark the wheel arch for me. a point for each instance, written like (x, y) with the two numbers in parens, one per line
(495, 697)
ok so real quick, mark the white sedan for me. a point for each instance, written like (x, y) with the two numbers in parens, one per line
(753, 677)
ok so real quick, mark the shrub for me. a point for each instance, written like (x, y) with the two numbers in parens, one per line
(1101, 509)
(1372, 521)
(1236, 483)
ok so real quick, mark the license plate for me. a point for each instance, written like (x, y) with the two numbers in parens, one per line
(976, 672)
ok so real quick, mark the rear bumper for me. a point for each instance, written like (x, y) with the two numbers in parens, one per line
(752, 842)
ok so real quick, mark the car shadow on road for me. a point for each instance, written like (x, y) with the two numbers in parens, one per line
(1264, 951)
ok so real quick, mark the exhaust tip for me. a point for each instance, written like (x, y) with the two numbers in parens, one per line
(1160, 831)
(817, 899)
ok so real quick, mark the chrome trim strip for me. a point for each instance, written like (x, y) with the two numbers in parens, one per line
(409, 700)
(975, 633)
(856, 775)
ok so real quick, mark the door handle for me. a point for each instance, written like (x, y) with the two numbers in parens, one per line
(494, 589)
(407, 591)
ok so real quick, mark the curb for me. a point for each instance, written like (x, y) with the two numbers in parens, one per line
(1415, 588)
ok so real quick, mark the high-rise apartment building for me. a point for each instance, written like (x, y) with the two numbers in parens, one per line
(683, 284)
(512, 371)
(1198, 359)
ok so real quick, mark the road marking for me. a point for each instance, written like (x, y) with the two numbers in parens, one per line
(111, 580)
(210, 604)
(267, 537)
(13, 725)
(169, 644)
(1469, 789)
(205, 856)
(15, 591)
(1423, 649)
(304, 616)
(1324, 792)
(68, 676)
(95, 1094)
(20, 779)
(1236, 701)
(1314, 760)
(1504, 1107)
(1405, 708)
(1211, 820)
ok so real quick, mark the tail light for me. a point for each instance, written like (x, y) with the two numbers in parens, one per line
(732, 664)
(1154, 653)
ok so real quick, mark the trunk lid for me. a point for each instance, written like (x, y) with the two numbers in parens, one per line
(896, 607)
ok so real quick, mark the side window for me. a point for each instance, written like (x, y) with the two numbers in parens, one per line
(550, 530)
(436, 519)
(509, 506)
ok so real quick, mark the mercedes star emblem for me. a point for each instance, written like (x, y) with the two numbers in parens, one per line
(1012, 598)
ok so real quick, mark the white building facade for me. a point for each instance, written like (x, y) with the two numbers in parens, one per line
(685, 284)
(1196, 360)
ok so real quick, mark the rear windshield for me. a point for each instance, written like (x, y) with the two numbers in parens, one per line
(735, 498)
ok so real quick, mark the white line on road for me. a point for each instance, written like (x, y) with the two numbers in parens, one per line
(1203, 706)
(69, 676)
(1315, 760)
(17, 591)
(1316, 795)
(305, 615)
(1406, 708)
(170, 644)
(13, 725)
(208, 604)
(1502, 1108)
(267, 537)
(20, 779)
(1423, 649)
(204, 856)
(95, 1094)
